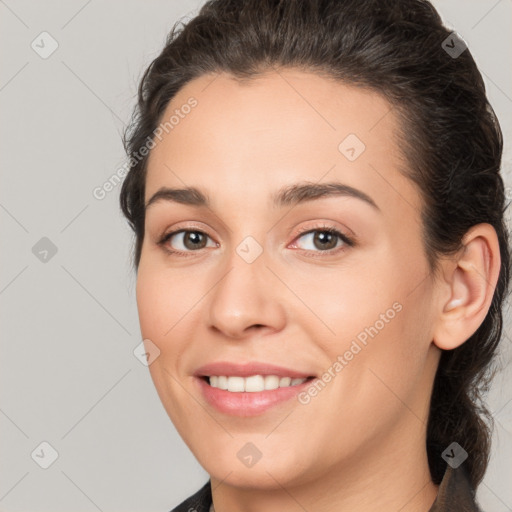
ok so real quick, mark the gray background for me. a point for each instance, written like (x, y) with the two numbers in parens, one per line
(68, 375)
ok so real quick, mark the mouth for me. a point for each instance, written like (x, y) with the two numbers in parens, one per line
(253, 383)
(249, 388)
(253, 395)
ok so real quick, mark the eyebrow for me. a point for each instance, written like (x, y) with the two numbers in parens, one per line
(286, 196)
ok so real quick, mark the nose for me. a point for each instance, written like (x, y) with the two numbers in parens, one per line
(247, 299)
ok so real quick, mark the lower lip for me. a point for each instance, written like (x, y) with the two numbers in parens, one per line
(247, 403)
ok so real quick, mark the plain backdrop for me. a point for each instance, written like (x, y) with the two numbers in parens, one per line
(68, 374)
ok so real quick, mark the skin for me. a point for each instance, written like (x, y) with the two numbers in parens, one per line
(358, 445)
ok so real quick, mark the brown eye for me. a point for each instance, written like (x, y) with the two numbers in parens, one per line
(186, 240)
(194, 240)
(323, 239)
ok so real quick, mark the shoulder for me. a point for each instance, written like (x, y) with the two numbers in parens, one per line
(198, 502)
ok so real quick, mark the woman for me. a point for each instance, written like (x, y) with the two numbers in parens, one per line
(321, 253)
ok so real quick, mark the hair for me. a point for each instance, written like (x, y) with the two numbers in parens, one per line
(450, 139)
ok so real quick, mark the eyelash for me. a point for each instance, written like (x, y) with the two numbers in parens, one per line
(348, 241)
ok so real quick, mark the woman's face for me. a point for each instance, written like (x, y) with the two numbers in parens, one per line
(257, 286)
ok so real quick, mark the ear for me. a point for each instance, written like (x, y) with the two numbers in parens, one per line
(470, 281)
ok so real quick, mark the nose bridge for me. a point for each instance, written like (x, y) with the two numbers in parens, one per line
(246, 294)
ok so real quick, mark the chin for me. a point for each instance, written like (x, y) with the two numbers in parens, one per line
(266, 472)
(262, 478)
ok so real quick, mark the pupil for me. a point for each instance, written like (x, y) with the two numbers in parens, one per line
(322, 235)
(194, 237)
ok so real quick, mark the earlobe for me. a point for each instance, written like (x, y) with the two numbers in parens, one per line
(471, 287)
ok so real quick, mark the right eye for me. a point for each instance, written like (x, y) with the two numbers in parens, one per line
(186, 240)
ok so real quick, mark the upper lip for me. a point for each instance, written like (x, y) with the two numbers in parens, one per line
(245, 370)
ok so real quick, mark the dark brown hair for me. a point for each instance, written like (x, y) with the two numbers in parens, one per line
(451, 141)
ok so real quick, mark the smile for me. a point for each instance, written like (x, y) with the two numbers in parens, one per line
(249, 396)
(252, 383)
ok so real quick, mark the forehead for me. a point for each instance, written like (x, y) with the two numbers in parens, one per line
(282, 127)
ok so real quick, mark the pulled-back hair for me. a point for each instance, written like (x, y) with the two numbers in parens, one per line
(450, 139)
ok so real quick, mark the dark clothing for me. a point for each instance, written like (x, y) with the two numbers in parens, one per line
(455, 495)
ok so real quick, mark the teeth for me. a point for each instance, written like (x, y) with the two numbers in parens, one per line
(285, 381)
(252, 384)
(222, 382)
(236, 384)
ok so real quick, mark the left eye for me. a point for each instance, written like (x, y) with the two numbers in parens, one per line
(324, 239)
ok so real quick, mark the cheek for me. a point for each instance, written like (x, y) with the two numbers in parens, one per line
(163, 299)
(163, 319)
(342, 302)
(381, 330)
(169, 309)
(150, 302)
